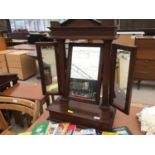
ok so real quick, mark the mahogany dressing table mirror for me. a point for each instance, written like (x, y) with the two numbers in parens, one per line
(92, 76)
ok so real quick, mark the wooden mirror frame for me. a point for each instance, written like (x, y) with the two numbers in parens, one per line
(41, 68)
(133, 51)
(99, 76)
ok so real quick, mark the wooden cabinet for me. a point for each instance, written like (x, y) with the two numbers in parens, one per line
(145, 60)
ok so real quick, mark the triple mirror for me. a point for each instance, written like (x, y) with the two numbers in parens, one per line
(85, 74)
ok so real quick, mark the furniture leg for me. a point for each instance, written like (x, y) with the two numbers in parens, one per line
(47, 101)
(18, 118)
(41, 106)
(52, 98)
(138, 84)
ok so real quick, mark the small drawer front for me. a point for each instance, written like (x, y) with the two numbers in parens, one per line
(144, 76)
(146, 53)
(145, 66)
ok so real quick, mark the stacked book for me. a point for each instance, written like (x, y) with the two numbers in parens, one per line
(53, 128)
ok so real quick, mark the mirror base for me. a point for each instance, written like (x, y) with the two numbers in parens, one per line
(82, 114)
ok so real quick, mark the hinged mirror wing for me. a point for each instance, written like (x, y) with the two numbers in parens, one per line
(84, 72)
(123, 60)
(48, 65)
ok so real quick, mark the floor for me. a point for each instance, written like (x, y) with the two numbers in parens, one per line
(145, 95)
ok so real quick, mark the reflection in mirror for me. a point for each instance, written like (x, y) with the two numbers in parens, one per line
(50, 69)
(121, 77)
(84, 72)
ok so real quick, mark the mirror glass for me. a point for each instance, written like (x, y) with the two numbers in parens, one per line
(49, 69)
(84, 72)
(121, 77)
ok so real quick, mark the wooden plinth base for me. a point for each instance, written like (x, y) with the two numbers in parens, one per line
(82, 114)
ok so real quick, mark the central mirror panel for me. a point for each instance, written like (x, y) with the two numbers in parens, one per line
(84, 71)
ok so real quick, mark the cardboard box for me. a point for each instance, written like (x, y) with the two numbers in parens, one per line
(22, 64)
(2, 44)
(23, 73)
(3, 69)
(3, 62)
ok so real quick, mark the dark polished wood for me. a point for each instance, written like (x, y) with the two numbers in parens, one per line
(127, 101)
(88, 29)
(61, 63)
(84, 29)
(82, 115)
(39, 45)
(106, 72)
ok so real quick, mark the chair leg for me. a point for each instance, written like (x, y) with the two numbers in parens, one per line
(42, 102)
(47, 101)
(41, 106)
(18, 118)
(138, 84)
(52, 98)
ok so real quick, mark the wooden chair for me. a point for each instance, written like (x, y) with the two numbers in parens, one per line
(4, 126)
(9, 103)
(10, 87)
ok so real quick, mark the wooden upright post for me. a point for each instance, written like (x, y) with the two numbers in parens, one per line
(106, 73)
(61, 59)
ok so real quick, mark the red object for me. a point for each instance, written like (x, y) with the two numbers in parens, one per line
(72, 127)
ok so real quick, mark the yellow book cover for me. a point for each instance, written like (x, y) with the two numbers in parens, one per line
(25, 133)
(109, 133)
